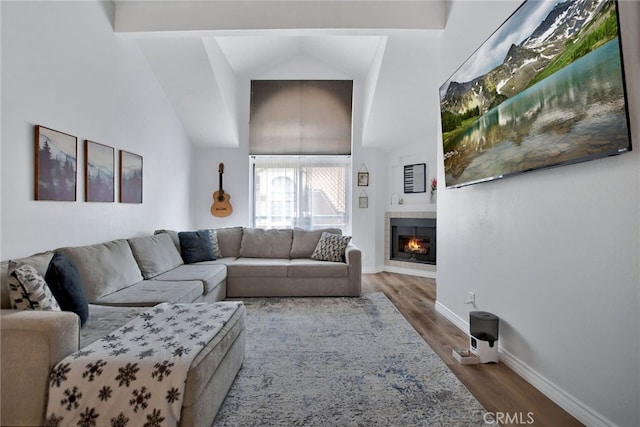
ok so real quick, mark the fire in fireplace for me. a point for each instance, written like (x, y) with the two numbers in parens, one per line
(414, 245)
(413, 240)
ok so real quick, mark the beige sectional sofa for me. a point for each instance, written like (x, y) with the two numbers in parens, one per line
(122, 277)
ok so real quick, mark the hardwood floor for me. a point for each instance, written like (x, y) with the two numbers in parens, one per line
(496, 387)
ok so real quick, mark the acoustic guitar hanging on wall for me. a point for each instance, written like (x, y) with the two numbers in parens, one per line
(221, 206)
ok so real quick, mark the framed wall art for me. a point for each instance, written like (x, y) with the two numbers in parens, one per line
(130, 177)
(415, 178)
(363, 200)
(363, 179)
(56, 156)
(99, 172)
(363, 176)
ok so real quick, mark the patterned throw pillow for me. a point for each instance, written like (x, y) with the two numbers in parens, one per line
(29, 291)
(331, 247)
(213, 235)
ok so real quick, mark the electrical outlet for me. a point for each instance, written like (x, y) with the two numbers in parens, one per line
(471, 298)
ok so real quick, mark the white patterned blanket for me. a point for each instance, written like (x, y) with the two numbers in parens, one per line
(136, 375)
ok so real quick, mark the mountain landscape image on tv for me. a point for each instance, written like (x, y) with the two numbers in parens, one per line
(546, 89)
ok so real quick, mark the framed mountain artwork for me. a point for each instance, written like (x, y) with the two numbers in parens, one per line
(130, 177)
(99, 172)
(56, 156)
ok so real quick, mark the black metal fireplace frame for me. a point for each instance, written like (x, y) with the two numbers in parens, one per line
(418, 227)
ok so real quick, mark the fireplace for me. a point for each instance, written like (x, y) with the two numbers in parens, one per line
(413, 240)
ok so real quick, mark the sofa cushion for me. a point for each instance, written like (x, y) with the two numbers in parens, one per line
(210, 274)
(67, 286)
(151, 292)
(155, 254)
(331, 247)
(259, 243)
(195, 246)
(174, 237)
(105, 268)
(309, 268)
(230, 240)
(305, 241)
(258, 267)
(39, 261)
(28, 289)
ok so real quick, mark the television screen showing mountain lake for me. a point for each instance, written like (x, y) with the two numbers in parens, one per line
(575, 113)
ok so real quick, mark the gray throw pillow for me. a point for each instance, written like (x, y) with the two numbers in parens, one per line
(215, 245)
(331, 247)
(305, 241)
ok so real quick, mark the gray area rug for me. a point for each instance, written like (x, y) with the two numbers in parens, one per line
(341, 362)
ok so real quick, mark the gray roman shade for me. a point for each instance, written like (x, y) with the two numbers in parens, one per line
(300, 117)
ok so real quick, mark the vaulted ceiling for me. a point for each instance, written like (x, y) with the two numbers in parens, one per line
(204, 53)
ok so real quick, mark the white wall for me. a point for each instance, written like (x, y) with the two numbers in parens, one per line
(411, 59)
(555, 254)
(64, 68)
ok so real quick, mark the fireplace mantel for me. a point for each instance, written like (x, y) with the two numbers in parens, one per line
(427, 270)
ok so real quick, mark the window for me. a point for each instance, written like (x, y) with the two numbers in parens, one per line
(300, 148)
(299, 191)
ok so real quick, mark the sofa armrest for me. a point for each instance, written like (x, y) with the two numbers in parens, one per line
(353, 257)
(32, 343)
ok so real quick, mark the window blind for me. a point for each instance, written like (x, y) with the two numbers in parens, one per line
(300, 117)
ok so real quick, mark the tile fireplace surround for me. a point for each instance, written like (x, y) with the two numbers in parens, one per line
(426, 270)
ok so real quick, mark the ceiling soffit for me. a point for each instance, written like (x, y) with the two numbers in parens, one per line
(203, 53)
(153, 16)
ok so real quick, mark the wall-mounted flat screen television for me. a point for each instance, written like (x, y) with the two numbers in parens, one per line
(546, 89)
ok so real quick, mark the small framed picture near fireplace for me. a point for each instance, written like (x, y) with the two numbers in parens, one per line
(415, 178)
(363, 179)
(363, 200)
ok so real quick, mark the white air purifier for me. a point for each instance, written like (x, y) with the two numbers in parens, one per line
(483, 340)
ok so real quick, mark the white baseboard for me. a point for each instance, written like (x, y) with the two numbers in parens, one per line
(453, 318)
(372, 270)
(573, 406)
(410, 271)
(399, 270)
